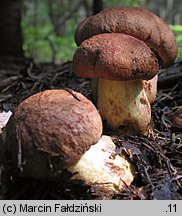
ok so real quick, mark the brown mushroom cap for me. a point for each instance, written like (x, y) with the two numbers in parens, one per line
(51, 130)
(137, 22)
(115, 56)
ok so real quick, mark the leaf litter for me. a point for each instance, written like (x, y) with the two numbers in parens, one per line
(157, 159)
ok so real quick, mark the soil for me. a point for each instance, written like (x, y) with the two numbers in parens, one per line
(157, 159)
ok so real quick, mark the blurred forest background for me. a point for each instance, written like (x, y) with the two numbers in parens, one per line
(44, 29)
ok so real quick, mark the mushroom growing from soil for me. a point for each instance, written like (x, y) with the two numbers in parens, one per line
(120, 62)
(156, 46)
(58, 130)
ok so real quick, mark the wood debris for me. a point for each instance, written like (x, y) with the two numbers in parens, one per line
(158, 158)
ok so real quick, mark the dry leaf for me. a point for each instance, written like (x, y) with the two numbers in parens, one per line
(4, 117)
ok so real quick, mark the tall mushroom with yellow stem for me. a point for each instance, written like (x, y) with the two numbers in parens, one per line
(150, 87)
(120, 62)
(58, 130)
(142, 25)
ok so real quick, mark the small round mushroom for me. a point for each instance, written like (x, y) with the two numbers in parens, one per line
(58, 130)
(120, 62)
(50, 131)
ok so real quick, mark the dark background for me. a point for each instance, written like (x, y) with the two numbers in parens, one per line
(44, 29)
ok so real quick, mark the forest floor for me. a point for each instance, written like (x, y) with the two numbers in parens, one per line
(157, 159)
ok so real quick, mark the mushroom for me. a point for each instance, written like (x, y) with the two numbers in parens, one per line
(49, 131)
(144, 26)
(58, 130)
(120, 62)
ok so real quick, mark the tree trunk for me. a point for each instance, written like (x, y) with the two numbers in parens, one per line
(10, 28)
(97, 6)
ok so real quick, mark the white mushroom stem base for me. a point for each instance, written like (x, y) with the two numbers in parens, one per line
(102, 167)
(124, 105)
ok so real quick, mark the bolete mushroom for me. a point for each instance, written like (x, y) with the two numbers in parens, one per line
(58, 130)
(142, 25)
(50, 131)
(120, 62)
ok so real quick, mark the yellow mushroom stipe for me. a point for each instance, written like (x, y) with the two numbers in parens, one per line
(124, 104)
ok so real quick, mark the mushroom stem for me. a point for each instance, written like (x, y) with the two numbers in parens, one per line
(102, 167)
(124, 104)
(150, 87)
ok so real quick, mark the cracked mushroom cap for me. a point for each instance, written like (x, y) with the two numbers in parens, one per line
(115, 56)
(50, 131)
(137, 22)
